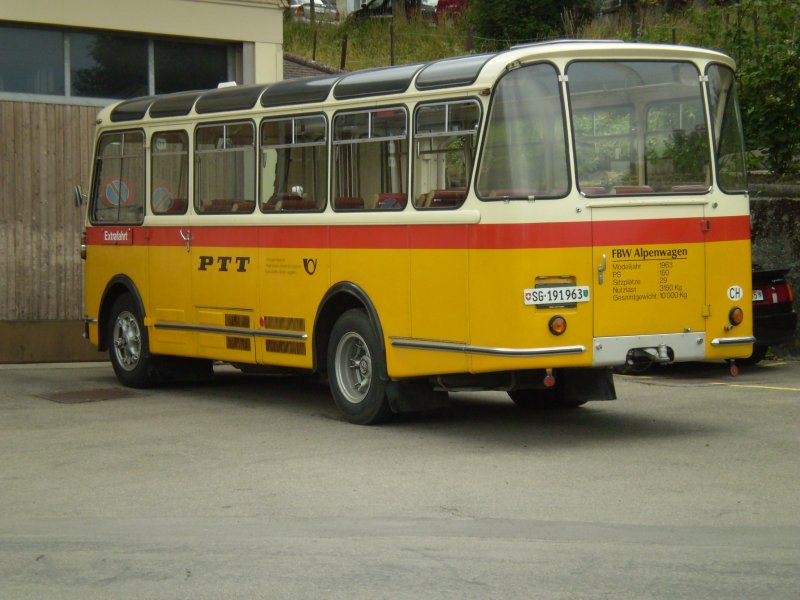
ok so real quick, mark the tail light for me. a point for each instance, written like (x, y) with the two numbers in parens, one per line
(777, 293)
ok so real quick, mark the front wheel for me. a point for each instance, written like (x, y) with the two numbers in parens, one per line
(128, 345)
(357, 370)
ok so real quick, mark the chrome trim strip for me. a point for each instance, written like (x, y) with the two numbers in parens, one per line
(270, 333)
(88, 319)
(415, 344)
(734, 341)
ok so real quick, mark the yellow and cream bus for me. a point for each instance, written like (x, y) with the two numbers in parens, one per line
(518, 221)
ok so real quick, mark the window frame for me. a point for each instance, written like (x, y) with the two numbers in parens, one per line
(369, 139)
(196, 161)
(94, 198)
(324, 143)
(701, 96)
(446, 133)
(565, 122)
(187, 173)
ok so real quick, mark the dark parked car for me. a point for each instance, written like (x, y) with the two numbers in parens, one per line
(383, 8)
(774, 320)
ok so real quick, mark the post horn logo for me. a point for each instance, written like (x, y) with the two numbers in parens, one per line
(310, 265)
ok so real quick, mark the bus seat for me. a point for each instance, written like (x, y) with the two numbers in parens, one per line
(349, 203)
(225, 205)
(633, 189)
(447, 198)
(176, 206)
(278, 198)
(297, 204)
(392, 200)
(593, 190)
(690, 189)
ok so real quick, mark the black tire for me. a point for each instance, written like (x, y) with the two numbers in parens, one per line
(128, 345)
(357, 370)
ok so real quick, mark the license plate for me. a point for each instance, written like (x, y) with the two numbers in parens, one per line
(556, 295)
(758, 295)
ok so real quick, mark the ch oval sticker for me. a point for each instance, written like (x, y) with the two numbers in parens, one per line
(735, 292)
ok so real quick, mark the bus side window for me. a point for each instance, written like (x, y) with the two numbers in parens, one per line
(119, 188)
(445, 138)
(370, 160)
(524, 150)
(225, 179)
(169, 190)
(294, 164)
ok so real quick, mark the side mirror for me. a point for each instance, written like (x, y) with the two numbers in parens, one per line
(79, 196)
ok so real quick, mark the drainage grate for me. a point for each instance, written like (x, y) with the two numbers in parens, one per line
(79, 396)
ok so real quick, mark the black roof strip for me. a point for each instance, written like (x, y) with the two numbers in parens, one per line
(375, 82)
(174, 105)
(230, 98)
(299, 91)
(452, 72)
(131, 110)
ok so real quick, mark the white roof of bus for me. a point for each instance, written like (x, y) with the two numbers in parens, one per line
(487, 74)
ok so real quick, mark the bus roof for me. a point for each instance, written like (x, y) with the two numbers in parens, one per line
(461, 71)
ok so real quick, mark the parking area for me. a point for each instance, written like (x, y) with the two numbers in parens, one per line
(253, 487)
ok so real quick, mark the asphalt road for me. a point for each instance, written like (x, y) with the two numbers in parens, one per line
(253, 487)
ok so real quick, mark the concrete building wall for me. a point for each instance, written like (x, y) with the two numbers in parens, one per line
(45, 150)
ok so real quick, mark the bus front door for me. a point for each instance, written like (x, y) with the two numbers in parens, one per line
(224, 291)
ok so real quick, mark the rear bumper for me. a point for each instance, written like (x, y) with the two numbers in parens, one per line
(612, 351)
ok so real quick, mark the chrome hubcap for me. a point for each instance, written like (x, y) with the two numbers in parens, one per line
(127, 340)
(353, 367)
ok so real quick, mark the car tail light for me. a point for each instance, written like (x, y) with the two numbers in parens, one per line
(777, 293)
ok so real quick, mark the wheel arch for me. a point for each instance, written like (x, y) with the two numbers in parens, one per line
(339, 299)
(116, 287)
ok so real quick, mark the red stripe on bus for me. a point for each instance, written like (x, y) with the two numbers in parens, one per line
(443, 237)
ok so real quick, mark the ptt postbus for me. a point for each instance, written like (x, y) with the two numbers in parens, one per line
(520, 221)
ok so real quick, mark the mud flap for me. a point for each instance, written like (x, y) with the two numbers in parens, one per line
(412, 396)
(585, 384)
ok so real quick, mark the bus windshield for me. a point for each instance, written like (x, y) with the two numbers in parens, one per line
(639, 127)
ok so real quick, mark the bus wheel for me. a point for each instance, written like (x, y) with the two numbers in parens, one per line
(537, 399)
(127, 345)
(356, 370)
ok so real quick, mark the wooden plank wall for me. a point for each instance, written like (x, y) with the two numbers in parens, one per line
(45, 150)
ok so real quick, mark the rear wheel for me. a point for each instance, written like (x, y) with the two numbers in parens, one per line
(357, 370)
(128, 345)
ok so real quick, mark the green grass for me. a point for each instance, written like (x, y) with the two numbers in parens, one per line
(368, 43)
(421, 41)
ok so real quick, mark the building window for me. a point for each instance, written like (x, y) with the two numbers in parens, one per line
(183, 66)
(105, 65)
(32, 61)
